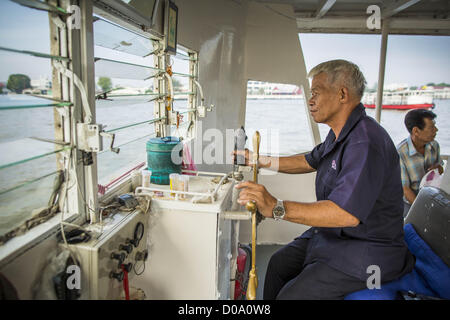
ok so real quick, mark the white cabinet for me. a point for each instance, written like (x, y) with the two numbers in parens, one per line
(189, 247)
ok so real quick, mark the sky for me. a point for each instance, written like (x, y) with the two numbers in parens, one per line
(414, 60)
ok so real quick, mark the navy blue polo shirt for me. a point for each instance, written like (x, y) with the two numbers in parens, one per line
(360, 172)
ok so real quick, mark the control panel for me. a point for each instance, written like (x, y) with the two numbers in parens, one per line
(119, 254)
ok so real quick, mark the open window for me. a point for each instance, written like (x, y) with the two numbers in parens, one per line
(141, 92)
(278, 112)
(30, 119)
(124, 74)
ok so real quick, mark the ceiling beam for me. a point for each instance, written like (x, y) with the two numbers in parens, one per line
(323, 8)
(396, 6)
(358, 25)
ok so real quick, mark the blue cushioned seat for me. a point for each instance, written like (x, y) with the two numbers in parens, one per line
(430, 276)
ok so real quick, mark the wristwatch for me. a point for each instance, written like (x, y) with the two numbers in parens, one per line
(278, 211)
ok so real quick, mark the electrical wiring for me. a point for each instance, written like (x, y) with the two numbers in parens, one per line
(141, 272)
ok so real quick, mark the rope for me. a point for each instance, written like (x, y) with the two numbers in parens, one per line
(102, 189)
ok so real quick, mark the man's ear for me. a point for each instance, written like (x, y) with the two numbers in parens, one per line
(343, 94)
(415, 131)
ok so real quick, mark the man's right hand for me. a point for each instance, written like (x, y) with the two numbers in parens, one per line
(247, 154)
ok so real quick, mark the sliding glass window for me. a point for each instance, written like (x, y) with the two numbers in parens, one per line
(28, 156)
(124, 75)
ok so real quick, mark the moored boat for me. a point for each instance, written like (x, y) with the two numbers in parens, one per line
(401, 100)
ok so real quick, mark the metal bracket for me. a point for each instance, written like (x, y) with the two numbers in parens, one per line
(57, 21)
(89, 139)
(237, 215)
(202, 110)
(173, 115)
(63, 112)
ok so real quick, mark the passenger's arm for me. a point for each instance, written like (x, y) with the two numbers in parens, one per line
(407, 191)
(409, 194)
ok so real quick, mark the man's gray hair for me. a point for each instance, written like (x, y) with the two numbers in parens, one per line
(342, 71)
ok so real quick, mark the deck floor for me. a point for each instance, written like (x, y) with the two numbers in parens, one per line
(263, 254)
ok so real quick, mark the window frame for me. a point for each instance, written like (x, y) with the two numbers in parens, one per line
(78, 45)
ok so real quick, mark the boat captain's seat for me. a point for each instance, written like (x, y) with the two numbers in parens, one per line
(427, 234)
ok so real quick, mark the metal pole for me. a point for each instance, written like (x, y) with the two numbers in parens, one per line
(83, 49)
(384, 38)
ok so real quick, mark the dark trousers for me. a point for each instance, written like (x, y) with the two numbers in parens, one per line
(287, 279)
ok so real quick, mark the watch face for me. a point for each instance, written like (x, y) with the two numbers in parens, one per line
(278, 211)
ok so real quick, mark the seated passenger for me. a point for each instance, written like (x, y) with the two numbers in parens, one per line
(419, 153)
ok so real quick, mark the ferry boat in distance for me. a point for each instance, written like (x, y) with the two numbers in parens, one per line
(401, 100)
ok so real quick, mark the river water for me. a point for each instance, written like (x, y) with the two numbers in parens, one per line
(283, 123)
(287, 118)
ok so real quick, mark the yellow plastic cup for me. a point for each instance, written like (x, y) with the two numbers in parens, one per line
(173, 182)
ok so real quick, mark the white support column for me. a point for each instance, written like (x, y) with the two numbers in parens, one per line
(88, 79)
(81, 50)
(384, 39)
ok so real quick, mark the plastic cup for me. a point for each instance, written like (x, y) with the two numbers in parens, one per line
(173, 182)
(146, 176)
(183, 182)
(136, 179)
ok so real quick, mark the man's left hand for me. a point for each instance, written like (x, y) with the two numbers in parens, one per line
(251, 191)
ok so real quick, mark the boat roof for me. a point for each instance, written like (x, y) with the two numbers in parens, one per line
(406, 17)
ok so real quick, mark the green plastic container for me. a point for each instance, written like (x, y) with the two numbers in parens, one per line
(160, 159)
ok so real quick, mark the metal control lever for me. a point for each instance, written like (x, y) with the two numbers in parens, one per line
(116, 275)
(239, 145)
(252, 208)
(127, 267)
(126, 247)
(134, 242)
(112, 136)
(119, 256)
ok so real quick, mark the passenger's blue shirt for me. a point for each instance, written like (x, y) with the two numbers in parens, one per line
(360, 172)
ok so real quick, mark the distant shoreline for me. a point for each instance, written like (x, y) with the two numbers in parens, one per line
(275, 97)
